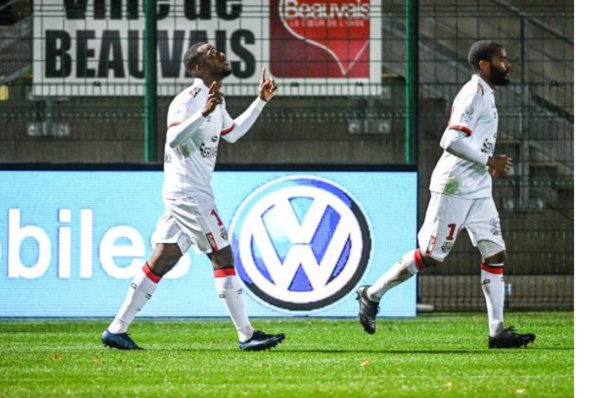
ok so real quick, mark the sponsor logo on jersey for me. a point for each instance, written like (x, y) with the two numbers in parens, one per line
(446, 247)
(301, 243)
(495, 227)
(467, 116)
(194, 91)
(223, 233)
(488, 147)
(214, 138)
(208, 152)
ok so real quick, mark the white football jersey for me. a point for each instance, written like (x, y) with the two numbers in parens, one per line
(188, 168)
(475, 114)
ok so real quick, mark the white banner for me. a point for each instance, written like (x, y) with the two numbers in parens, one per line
(313, 47)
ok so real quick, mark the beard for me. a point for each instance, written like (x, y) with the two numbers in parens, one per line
(225, 72)
(499, 77)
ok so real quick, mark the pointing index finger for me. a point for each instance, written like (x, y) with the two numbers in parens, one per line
(212, 88)
(263, 75)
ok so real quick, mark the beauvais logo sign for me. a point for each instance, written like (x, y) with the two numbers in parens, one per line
(336, 32)
(96, 47)
(301, 243)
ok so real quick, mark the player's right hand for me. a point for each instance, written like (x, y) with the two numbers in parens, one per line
(213, 99)
(499, 165)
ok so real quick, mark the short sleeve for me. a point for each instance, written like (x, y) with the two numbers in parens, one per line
(465, 112)
(228, 123)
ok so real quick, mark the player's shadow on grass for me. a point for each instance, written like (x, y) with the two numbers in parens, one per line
(358, 351)
(290, 350)
(406, 351)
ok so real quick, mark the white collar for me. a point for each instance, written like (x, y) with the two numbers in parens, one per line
(197, 82)
(483, 83)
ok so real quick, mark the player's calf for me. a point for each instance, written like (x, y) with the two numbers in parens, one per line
(369, 296)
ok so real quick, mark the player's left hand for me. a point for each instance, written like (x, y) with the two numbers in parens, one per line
(495, 173)
(267, 87)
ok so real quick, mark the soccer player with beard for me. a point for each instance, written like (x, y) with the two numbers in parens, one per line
(461, 197)
(197, 119)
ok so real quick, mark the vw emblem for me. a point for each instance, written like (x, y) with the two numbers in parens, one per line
(301, 243)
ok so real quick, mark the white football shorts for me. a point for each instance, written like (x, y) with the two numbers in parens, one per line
(191, 221)
(445, 218)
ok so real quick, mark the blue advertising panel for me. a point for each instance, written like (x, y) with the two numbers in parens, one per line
(70, 242)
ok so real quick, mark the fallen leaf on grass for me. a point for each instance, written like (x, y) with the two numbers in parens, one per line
(55, 357)
(520, 391)
(449, 385)
(365, 363)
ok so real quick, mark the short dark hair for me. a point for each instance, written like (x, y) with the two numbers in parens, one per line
(193, 57)
(482, 50)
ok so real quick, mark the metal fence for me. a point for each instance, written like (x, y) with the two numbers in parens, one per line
(75, 103)
(329, 112)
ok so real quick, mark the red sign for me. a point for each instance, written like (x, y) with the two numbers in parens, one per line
(320, 38)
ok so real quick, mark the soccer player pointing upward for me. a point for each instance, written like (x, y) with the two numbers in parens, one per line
(197, 119)
(461, 197)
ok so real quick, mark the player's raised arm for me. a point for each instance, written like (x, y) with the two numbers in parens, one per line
(246, 120)
(213, 99)
(267, 87)
(178, 134)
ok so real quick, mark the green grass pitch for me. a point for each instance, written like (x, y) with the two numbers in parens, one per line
(441, 355)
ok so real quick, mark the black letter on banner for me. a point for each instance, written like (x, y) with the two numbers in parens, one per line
(83, 53)
(197, 36)
(111, 38)
(243, 53)
(171, 63)
(162, 10)
(99, 9)
(136, 65)
(53, 51)
(191, 9)
(75, 9)
(133, 9)
(221, 10)
(116, 9)
(221, 40)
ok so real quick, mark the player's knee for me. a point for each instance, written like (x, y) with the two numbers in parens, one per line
(498, 258)
(429, 262)
(223, 258)
(492, 252)
(164, 258)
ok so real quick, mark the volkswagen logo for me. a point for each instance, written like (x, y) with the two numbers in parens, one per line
(301, 243)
